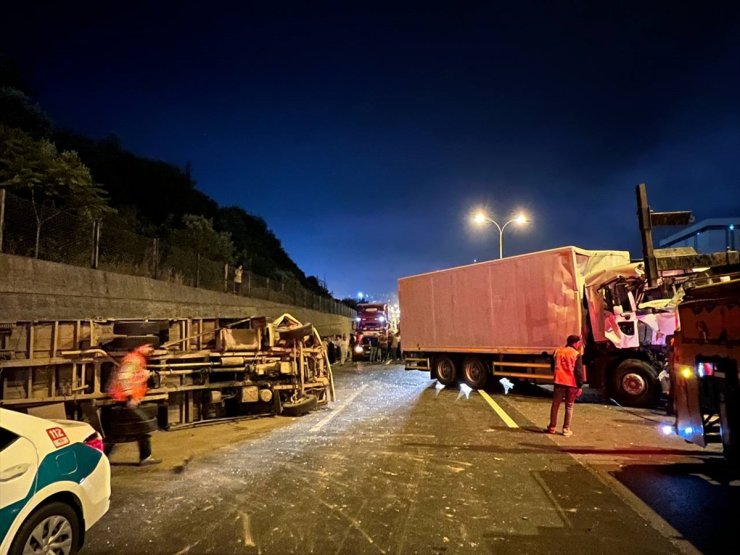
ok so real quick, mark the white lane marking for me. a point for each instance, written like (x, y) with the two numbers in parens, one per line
(247, 525)
(337, 410)
(494, 405)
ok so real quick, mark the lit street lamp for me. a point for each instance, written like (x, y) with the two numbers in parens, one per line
(480, 218)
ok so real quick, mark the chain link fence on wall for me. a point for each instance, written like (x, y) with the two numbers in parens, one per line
(108, 245)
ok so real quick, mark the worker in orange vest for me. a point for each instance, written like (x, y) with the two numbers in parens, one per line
(568, 382)
(129, 387)
(129, 383)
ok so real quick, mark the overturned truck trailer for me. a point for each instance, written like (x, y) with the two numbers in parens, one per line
(202, 369)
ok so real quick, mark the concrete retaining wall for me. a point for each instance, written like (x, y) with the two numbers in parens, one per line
(39, 290)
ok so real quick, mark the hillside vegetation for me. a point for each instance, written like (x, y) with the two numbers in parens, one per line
(150, 197)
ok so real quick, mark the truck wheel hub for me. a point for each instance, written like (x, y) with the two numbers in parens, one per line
(633, 384)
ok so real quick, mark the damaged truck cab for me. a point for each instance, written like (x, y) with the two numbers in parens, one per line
(630, 329)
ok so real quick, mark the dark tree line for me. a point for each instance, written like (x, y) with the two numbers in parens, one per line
(152, 197)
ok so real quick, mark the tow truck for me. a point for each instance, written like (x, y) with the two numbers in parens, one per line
(706, 361)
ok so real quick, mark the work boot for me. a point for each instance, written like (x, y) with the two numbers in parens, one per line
(149, 461)
(567, 432)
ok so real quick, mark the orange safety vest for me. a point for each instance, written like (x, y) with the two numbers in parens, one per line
(565, 366)
(130, 380)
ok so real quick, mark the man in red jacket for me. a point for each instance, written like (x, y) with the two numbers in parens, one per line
(568, 382)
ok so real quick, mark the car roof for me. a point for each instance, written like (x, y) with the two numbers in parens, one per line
(34, 428)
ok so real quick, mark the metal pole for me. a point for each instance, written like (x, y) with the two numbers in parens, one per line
(2, 215)
(500, 243)
(646, 233)
(95, 255)
(155, 257)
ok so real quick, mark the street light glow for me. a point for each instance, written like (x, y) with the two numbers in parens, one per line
(479, 218)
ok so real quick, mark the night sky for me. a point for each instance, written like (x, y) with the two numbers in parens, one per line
(365, 135)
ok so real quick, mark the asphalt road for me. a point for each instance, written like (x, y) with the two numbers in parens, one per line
(401, 465)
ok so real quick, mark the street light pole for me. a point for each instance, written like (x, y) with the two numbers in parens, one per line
(480, 218)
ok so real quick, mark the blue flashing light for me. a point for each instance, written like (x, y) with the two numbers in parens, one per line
(732, 227)
(688, 430)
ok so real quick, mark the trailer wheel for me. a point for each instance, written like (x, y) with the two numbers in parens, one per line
(635, 383)
(302, 406)
(475, 373)
(445, 370)
(137, 328)
(124, 414)
(131, 341)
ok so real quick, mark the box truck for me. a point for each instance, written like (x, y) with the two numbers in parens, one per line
(505, 318)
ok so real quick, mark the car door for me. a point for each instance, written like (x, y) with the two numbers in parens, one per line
(18, 465)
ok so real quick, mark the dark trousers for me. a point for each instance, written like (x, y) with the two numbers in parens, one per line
(145, 446)
(560, 393)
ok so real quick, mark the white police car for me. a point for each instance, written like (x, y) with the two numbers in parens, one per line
(54, 483)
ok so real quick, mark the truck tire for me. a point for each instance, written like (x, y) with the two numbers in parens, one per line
(132, 341)
(296, 333)
(635, 383)
(475, 372)
(445, 370)
(125, 414)
(302, 406)
(133, 429)
(137, 328)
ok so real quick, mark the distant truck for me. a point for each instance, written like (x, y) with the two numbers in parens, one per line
(505, 318)
(372, 323)
(706, 361)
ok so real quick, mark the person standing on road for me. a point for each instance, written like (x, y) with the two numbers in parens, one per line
(129, 386)
(568, 382)
(383, 344)
(393, 354)
(352, 343)
(238, 279)
(344, 348)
